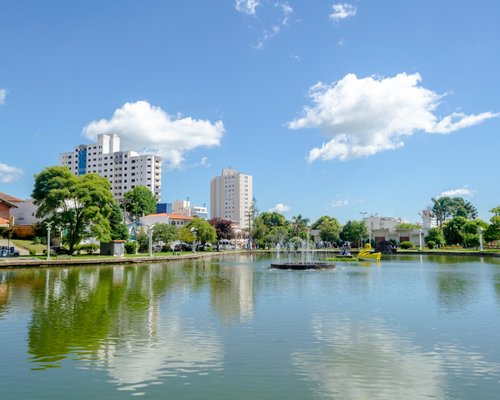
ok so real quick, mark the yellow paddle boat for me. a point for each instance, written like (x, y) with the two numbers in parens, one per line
(366, 254)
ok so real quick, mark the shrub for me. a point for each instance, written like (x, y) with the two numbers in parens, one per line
(431, 244)
(407, 245)
(130, 247)
(32, 252)
(88, 248)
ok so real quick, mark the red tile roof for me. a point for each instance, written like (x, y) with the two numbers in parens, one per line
(9, 198)
(171, 216)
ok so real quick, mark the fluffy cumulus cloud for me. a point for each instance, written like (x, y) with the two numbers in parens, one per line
(364, 116)
(280, 208)
(9, 174)
(342, 11)
(460, 192)
(247, 6)
(3, 94)
(148, 128)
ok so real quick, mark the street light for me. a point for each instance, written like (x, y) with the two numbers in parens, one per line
(480, 231)
(49, 224)
(193, 231)
(420, 235)
(150, 237)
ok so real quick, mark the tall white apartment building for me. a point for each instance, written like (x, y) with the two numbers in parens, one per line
(124, 169)
(231, 197)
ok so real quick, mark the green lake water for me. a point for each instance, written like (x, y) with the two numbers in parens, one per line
(414, 327)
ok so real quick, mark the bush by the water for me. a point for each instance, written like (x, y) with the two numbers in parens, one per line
(431, 244)
(88, 248)
(130, 247)
(32, 252)
(407, 245)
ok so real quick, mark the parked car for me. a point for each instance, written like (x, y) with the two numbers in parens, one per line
(181, 246)
(8, 252)
(204, 247)
(58, 250)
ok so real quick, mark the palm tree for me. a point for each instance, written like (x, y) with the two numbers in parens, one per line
(299, 224)
(442, 208)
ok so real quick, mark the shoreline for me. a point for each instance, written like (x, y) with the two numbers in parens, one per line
(34, 263)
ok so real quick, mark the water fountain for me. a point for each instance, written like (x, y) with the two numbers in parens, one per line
(302, 258)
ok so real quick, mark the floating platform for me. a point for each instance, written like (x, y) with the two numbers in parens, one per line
(303, 265)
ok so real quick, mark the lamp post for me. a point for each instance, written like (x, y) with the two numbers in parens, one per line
(420, 235)
(49, 224)
(193, 231)
(150, 237)
(480, 231)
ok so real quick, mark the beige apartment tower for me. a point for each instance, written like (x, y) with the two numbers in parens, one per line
(123, 169)
(231, 197)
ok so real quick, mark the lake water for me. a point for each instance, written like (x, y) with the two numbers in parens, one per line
(415, 327)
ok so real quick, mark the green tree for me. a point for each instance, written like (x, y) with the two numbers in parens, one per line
(463, 208)
(119, 230)
(442, 208)
(81, 205)
(202, 230)
(329, 228)
(492, 232)
(299, 226)
(435, 235)
(354, 231)
(272, 219)
(265, 223)
(453, 230)
(165, 233)
(139, 201)
(470, 232)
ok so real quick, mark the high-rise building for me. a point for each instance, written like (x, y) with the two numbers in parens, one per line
(124, 169)
(231, 197)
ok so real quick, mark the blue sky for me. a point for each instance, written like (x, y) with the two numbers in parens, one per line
(334, 108)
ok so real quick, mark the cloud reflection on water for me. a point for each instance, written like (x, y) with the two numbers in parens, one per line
(354, 360)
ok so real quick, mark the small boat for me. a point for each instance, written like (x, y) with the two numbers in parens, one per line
(366, 254)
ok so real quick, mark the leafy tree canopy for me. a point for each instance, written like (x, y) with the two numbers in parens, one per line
(139, 201)
(119, 230)
(329, 228)
(202, 231)
(354, 231)
(435, 235)
(223, 228)
(165, 233)
(81, 205)
(492, 232)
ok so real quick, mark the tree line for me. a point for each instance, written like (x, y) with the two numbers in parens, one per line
(84, 207)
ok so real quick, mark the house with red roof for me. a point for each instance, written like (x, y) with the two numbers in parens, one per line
(7, 203)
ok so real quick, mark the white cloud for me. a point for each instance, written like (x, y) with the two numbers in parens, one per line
(280, 208)
(3, 95)
(278, 12)
(339, 203)
(247, 6)
(9, 174)
(287, 11)
(364, 116)
(342, 11)
(458, 192)
(148, 128)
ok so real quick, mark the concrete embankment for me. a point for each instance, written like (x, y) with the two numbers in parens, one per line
(21, 262)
